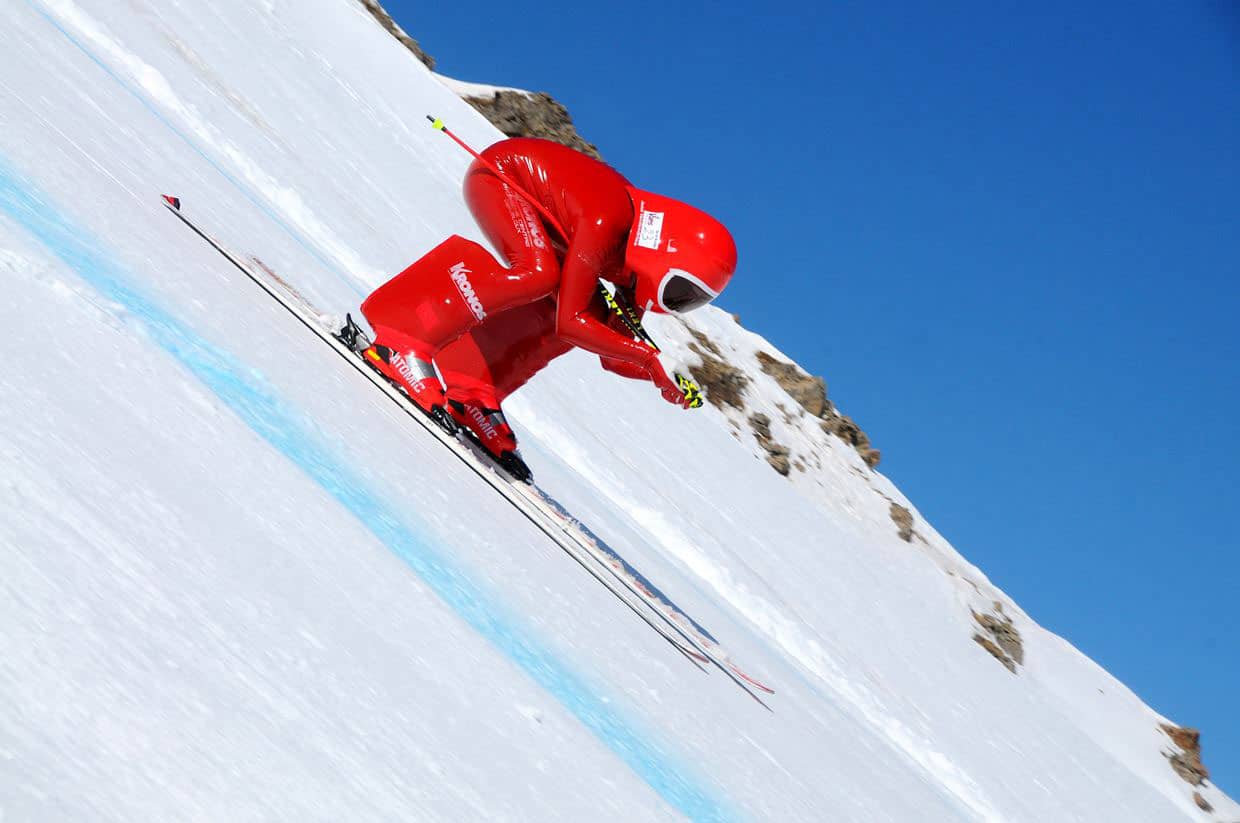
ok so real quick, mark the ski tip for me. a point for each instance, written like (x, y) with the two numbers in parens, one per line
(751, 681)
(174, 202)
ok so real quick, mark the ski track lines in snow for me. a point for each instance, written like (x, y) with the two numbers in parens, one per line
(255, 404)
(786, 631)
(157, 88)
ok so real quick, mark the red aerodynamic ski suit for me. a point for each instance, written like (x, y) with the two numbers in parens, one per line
(490, 328)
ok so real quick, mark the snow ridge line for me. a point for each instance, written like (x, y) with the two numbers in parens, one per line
(150, 83)
(246, 394)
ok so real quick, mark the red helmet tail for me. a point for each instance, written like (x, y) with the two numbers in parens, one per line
(682, 256)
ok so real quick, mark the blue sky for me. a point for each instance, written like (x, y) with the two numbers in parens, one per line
(1009, 237)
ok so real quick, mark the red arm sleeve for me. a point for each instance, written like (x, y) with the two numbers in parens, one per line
(620, 367)
(576, 324)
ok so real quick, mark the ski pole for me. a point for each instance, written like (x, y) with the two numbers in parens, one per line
(627, 317)
(692, 391)
(436, 123)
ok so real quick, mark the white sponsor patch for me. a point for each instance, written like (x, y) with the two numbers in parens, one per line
(460, 276)
(649, 229)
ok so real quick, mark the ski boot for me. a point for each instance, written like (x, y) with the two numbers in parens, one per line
(410, 376)
(489, 429)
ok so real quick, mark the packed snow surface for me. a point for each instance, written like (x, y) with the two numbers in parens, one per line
(237, 584)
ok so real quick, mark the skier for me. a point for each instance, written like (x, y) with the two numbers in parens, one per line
(563, 221)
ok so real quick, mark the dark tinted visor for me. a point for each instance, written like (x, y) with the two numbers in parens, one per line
(682, 294)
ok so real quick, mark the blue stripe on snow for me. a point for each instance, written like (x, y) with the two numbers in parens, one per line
(242, 390)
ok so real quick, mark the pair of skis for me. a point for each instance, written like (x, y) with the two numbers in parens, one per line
(541, 510)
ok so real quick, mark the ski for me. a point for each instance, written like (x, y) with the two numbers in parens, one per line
(533, 505)
(670, 613)
(684, 625)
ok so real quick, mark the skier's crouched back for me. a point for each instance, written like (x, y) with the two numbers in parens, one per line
(563, 222)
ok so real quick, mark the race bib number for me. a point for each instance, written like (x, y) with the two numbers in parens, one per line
(650, 229)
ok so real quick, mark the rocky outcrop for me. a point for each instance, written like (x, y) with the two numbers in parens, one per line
(1000, 638)
(724, 385)
(776, 454)
(843, 427)
(515, 113)
(538, 114)
(721, 382)
(1187, 761)
(903, 518)
(703, 341)
(384, 19)
(810, 392)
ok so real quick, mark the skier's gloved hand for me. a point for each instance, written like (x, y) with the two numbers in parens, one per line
(668, 387)
(692, 391)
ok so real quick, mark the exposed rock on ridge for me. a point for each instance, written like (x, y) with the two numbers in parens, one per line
(776, 454)
(810, 392)
(1186, 762)
(536, 114)
(903, 518)
(721, 382)
(1001, 638)
(384, 19)
(724, 384)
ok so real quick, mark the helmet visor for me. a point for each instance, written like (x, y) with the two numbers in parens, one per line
(682, 292)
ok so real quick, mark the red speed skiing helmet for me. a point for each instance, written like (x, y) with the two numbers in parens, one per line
(681, 256)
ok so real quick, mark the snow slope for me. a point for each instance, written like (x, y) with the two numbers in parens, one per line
(235, 583)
